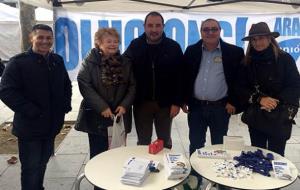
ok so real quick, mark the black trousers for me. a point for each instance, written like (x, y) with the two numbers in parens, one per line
(98, 144)
(34, 156)
(145, 115)
(266, 141)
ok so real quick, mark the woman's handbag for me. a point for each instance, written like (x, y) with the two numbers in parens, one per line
(275, 122)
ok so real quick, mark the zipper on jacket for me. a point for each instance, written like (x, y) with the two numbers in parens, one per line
(153, 80)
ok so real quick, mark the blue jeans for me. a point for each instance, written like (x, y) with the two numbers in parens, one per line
(200, 117)
(34, 156)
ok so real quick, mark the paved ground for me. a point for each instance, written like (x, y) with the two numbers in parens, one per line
(72, 154)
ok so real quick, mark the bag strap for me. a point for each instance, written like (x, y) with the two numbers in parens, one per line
(257, 92)
(256, 84)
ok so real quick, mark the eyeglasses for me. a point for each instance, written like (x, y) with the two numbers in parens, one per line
(207, 29)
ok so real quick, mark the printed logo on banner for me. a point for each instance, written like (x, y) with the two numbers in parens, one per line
(292, 46)
(289, 27)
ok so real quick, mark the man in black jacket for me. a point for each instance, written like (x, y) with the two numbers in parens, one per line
(36, 86)
(156, 62)
(2, 67)
(211, 72)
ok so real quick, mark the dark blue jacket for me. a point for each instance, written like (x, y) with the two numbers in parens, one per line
(39, 91)
(231, 58)
(161, 81)
(1, 67)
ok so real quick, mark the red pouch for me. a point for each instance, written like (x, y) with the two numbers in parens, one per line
(156, 146)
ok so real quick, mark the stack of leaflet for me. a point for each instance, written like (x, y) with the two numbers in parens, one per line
(136, 170)
(221, 154)
(176, 166)
(281, 170)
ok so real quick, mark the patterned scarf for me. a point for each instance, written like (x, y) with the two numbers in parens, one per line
(112, 70)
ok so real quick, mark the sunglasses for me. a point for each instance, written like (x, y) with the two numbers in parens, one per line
(207, 29)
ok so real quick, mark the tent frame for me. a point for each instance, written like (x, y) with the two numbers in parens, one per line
(58, 3)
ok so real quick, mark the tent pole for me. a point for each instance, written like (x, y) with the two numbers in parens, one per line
(237, 1)
(57, 3)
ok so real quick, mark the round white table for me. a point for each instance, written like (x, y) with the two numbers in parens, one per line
(105, 170)
(204, 166)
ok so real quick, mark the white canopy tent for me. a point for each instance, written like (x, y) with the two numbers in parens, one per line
(43, 15)
(234, 6)
(9, 31)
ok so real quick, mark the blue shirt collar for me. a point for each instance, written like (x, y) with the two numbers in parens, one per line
(217, 48)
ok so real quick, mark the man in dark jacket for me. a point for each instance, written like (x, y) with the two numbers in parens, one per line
(211, 71)
(156, 62)
(36, 86)
(2, 67)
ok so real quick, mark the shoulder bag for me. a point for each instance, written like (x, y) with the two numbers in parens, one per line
(276, 122)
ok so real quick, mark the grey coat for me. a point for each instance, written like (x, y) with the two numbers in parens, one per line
(97, 97)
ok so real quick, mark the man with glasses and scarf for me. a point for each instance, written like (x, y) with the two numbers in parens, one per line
(211, 71)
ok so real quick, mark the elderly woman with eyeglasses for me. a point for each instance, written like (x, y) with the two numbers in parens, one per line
(268, 78)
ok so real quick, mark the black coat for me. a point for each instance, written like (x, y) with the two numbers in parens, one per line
(279, 80)
(2, 67)
(231, 58)
(39, 92)
(97, 97)
(166, 85)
